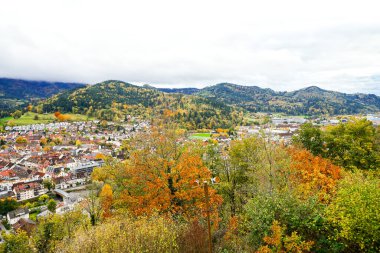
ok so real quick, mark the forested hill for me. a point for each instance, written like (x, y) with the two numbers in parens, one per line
(23, 89)
(103, 98)
(311, 100)
(16, 93)
(113, 100)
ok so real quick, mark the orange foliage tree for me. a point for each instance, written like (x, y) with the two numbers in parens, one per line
(21, 140)
(106, 199)
(279, 242)
(62, 117)
(100, 156)
(313, 174)
(166, 176)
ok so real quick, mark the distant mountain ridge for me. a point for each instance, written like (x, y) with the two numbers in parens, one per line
(17, 93)
(311, 100)
(24, 89)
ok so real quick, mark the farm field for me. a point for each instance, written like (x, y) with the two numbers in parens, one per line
(30, 118)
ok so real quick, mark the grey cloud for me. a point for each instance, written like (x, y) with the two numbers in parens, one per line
(167, 48)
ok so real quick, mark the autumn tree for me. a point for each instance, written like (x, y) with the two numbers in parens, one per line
(106, 199)
(233, 171)
(313, 175)
(51, 205)
(304, 216)
(352, 145)
(166, 176)
(92, 204)
(17, 114)
(100, 156)
(250, 166)
(275, 194)
(112, 173)
(43, 198)
(15, 243)
(119, 234)
(62, 117)
(78, 143)
(43, 141)
(279, 242)
(53, 229)
(21, 140)
(47, 183)
(354, 212)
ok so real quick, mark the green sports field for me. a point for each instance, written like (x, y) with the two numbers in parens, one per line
(200, 136)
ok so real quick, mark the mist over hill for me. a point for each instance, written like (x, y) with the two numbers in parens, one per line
(17, 92)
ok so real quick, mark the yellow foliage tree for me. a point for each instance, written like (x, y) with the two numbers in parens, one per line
(106, 199)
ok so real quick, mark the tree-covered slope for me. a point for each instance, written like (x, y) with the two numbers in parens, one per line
(317, 100)
(16, 93)
(114, 100)
(311, 100)
(23, 89)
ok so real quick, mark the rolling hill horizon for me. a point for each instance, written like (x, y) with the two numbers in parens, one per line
(310, 100)
(173, 89)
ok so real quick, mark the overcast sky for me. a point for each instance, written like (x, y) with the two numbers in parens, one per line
(284, 45)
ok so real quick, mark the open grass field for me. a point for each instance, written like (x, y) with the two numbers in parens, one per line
(30, 118)
(200, 136)
(3, 121)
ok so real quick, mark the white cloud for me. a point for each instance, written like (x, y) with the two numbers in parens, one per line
(283, 45)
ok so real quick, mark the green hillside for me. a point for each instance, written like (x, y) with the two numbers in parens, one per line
(114, 100)
(307, 101)
(222, 105)
(16, 93)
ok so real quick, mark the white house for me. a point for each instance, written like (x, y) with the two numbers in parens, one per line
(15, 215)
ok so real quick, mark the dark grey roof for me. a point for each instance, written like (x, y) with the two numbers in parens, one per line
(18, 212)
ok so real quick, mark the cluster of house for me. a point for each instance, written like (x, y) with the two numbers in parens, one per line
(282, 129)
(278, 129)
(19, 219)
(374, 118)
(60, 155)
(64, 153)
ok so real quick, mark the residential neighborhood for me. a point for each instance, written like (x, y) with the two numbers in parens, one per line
(43, 161)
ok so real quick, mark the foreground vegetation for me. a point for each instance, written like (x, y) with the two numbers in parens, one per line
(264, 197)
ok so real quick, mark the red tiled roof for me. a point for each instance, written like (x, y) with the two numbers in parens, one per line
(26, 186)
